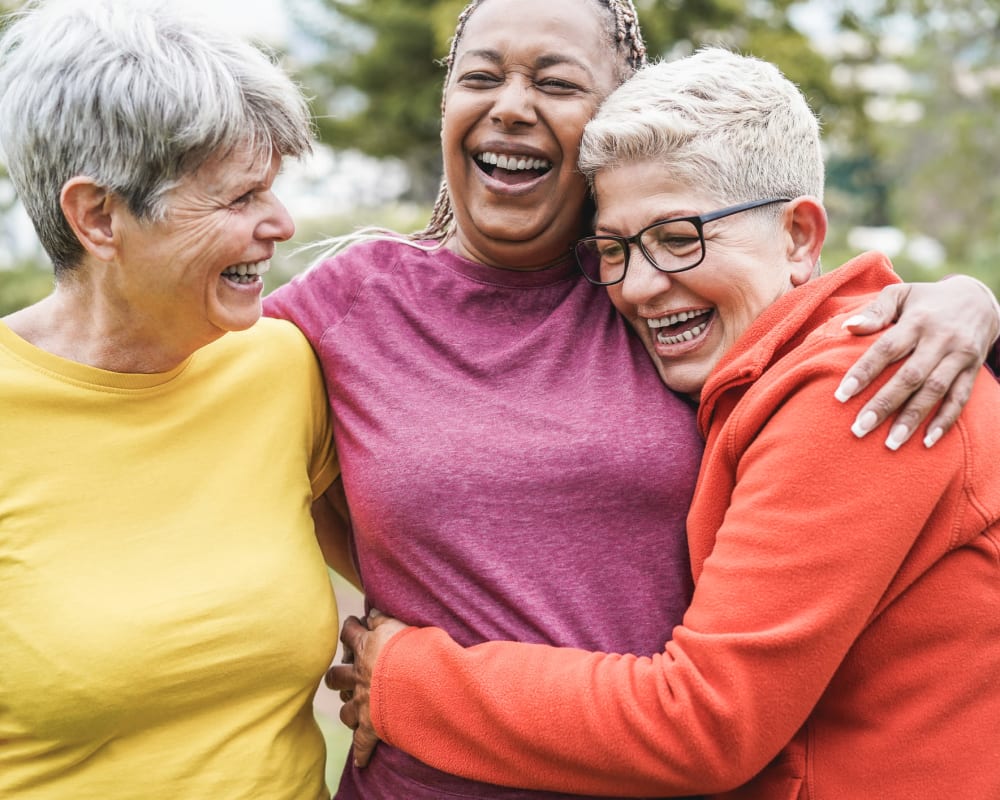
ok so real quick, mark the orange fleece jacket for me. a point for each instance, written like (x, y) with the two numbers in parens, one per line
(844, 636)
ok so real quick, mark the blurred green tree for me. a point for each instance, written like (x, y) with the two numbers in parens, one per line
(378, 82)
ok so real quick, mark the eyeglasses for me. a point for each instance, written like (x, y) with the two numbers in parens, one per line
(670, 245)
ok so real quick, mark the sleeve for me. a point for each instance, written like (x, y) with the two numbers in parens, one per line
(324, 466)
(314, 302)
(320, 298)
(313, 409)
(805, 555)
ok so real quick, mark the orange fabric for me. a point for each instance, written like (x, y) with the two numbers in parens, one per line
(844, 636)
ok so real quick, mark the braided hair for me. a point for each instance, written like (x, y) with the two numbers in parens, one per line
(624, 36)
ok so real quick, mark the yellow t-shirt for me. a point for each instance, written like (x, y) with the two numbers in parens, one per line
(165, 612)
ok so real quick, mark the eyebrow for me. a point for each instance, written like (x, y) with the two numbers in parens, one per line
(607, 230)
(542, 62)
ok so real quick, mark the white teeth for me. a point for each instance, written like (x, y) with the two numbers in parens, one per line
(512, 162)
(673, 319)
(687, 336)
(246, 273)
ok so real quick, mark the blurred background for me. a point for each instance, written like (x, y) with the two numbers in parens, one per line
(908, 92)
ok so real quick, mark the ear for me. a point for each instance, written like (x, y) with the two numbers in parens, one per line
(89, 209)
(805, 226)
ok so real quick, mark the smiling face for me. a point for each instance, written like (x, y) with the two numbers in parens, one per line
(197, 273)
(689, 320)
(527, 77)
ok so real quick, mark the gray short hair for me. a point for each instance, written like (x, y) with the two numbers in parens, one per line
(729, 124)
(136, 98)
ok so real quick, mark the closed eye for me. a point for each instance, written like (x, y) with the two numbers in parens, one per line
(558, 86)
(479, 80)
(243, 199)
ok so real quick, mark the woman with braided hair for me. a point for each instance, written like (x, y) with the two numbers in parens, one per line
(492, 411)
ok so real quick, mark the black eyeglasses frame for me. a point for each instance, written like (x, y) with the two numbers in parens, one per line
(699, 221)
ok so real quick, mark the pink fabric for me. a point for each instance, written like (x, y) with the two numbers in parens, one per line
(515, 469)
(843, 640)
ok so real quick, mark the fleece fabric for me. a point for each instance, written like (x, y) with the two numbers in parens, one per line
(843, 640)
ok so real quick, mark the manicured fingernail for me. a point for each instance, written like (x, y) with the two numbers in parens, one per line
(857, 319)
(847, 389)
(864, 424)
(932, 438)
(896, 437)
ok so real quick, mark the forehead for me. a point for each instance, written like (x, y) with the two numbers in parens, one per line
(224, 173)
(635, 193)
(540, 32)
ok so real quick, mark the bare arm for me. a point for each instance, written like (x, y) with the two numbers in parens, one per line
(333, 525)
(947, 329)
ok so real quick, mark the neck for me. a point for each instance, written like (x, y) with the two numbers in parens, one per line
(87, 329)
(519, 256)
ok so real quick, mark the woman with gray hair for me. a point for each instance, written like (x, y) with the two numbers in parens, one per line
(166, 613)
(842, 640)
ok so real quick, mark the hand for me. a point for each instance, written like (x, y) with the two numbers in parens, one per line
(947, 329)
(353, 679)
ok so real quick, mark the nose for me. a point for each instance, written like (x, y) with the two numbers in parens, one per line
(643, 282)
(277, 224)
(514, 103)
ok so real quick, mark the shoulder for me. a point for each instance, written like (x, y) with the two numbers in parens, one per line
(355, 264)
(270, 346)
(321, 296)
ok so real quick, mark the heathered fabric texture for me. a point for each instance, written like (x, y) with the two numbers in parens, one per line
(514, 467)
(842, 642)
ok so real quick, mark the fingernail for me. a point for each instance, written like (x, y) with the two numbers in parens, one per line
(896, 437)
(857, 319)
(932, 438)
(847, 389)
(864, 424)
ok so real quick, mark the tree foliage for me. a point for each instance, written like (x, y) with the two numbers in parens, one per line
(380, 89)
(923, 156)
(379, 82)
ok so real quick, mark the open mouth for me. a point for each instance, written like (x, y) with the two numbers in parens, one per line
(512, 168)
(681, 327)
(246, 273)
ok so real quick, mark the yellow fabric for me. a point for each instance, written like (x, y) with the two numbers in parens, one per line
(165, 612)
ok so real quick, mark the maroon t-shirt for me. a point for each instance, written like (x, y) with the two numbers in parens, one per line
(514, 467)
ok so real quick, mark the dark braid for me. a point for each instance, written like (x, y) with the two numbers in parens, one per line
(625, 37)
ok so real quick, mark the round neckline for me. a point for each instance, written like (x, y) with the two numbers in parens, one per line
(504, 276)
(77, 373)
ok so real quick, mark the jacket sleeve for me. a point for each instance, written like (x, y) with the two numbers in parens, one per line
(808, 552)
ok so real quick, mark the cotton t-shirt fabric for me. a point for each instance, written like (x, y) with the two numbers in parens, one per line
(514, 467)
(165, 612)
(843, 639)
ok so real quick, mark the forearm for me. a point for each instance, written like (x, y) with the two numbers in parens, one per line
(332, 523)
(548, 718)
(779, 603)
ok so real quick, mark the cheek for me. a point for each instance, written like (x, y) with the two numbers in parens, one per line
(626, 309)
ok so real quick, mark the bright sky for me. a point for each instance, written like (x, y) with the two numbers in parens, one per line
(261, 19)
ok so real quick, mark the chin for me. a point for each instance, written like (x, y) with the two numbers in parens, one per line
(683, 381)
(238, 320)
